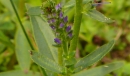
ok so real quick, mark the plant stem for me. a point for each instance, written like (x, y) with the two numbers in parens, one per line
(60, 58)
(22, 25)
(77, 23)
(65, 46)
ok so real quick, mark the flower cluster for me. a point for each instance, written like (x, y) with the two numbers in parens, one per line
(58, 22)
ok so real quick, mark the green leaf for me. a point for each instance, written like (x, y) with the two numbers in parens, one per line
(101, 70)
(70, 60)
(51, 74)
(126, 68)
(35, 11)
(7, 25)
(19, 73)
(71, 3)
(45, 62)
(5, 40)
(44, 37)
(8, 5)
(22, 52)
(70, 13)
(94, 56)
(2, 47)
(93, 13)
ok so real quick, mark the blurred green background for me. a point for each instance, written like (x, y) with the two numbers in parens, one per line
(92, 35)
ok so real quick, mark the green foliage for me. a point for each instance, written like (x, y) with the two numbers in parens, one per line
(7, 5)
(7, 25)
(93, 57)
(46, 63)
(44, 37)
(2, 47)
(126, 69)
(39, 37)
(43, 34)
(5, 40)
(47, 55)
(22, 50)
(19, 73)
(101, 70)
(34, 11)
(98, 16)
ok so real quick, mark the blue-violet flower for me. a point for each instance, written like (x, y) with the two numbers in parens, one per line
(57, 40)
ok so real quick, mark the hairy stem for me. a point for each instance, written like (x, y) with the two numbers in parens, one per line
(77, 23)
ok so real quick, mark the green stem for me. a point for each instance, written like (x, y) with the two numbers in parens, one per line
(21, 25)
(77, 23)
(60, 58)
(65, 46)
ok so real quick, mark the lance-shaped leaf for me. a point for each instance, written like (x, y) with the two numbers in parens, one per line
(45, 62)
(21, 49)
(44, 37)
(94, 56)
(101, 70)
(93, 13)
(19, 73)
(43, 34)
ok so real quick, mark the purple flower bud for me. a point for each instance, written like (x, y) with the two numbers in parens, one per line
(65, 19)
(61, 15)
(58, 6)
(68, 28)
(53, 20)
(54, 14)
(52, 26)
(70, 35)
(61, 25)
(57, 40)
